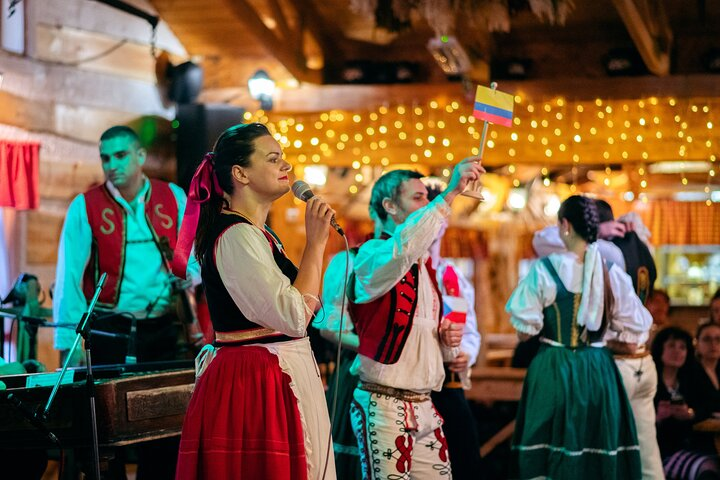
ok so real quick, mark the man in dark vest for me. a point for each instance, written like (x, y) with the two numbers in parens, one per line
(396, 308)
(126, 227)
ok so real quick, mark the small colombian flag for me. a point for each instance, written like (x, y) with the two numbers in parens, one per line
(493, 106)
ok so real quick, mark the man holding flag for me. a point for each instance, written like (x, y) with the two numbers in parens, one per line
(396, 308)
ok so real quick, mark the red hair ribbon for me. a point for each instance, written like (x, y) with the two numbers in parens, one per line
(203, 187)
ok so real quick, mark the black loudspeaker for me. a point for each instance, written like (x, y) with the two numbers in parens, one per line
(198, 126)
(367, 72)
(186, 82)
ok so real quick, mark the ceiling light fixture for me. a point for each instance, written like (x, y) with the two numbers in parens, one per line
(449, 54)
(261, 88)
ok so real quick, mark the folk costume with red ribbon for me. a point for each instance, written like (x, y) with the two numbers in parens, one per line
(258, 408)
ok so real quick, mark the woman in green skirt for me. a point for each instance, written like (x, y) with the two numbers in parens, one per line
(574, 419)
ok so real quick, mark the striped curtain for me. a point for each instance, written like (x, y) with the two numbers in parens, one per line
(682, 223)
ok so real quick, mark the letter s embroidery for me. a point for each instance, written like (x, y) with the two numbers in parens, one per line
(111, 225)
(167, 219)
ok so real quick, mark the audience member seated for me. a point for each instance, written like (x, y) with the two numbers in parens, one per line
(706, 379)
(658, 304)
(714, 314)
(676, 402)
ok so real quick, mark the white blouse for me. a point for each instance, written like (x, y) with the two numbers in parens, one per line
(629, 321)
(257, 285)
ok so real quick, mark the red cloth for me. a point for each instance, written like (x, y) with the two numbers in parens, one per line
(19, 175)
(243, 421)
(203, 187)
(452, 299)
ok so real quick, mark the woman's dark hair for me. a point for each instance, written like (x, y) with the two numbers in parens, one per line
(605, 213)
(715, 298)
(704, 327)
(658, 344)
(657, 292)
(582, 214)
(233, 147)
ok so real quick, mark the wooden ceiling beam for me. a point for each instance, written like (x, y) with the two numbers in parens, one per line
(314, 98)
(648, 26)
(289, 53)
(326, 38)
(282, 22)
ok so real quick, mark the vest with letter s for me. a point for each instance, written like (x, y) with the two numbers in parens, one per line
(108, 223)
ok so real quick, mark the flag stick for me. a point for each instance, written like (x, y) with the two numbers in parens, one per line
(493, 86)
(474, 189)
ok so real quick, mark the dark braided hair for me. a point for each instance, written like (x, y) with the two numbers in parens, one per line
(582, 214)
(233, 147)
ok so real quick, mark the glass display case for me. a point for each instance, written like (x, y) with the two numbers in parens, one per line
(689, 273)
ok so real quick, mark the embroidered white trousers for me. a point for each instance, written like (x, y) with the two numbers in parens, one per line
(399, 439)
(640, 380)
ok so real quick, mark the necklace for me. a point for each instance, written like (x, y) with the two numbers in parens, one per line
(230, 210)
(673, 389)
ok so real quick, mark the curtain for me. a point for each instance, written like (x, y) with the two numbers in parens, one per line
(682, 223)
(19, 175)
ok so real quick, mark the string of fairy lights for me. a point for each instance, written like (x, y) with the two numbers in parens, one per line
(635, 137)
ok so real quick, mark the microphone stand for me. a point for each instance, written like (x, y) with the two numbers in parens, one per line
(83, 330)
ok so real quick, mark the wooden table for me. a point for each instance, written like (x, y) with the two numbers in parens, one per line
(491, 384)
(710, 425)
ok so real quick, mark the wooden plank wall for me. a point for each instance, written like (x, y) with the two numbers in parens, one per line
(86, 67)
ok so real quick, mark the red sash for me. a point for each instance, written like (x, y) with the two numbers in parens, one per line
(108, 224)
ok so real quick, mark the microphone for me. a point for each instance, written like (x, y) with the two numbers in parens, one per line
(302, 191)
